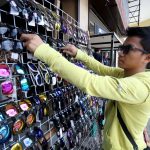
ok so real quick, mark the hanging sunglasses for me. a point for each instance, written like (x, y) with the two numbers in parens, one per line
(3, 29)
(11, 110)
(20, 69)
(15, 7)
(38, 133)
(127, 48)
(25, 105)
(9, 31)
(17, 146)
(30, 119)
(7, 88)
(10, 45)
(37, 78)
(24, 82)
(18, 126)
(4, 71)
(5, 132)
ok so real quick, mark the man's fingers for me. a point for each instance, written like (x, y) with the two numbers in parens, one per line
(68, 52)
(26, 37)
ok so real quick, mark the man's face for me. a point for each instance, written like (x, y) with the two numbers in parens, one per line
(134, 59)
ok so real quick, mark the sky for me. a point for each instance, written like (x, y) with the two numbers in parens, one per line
(145, 10)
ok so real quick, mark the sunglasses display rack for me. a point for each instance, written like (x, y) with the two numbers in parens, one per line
(38, 109)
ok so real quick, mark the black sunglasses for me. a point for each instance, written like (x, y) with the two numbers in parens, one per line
(127, 48)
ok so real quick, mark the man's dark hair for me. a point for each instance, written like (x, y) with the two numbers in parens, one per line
(143, 33)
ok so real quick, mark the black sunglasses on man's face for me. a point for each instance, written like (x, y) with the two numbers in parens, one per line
(127, 48)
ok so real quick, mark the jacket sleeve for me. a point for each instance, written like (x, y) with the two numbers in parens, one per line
(98, 67)
(128, 90)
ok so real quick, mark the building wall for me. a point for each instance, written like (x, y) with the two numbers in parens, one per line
(83, 14)
(70, 7)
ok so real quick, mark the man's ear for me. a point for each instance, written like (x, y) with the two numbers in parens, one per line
(148, 57)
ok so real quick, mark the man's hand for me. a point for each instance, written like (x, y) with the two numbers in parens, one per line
(70, 49)
(146, 137)
(31, 41)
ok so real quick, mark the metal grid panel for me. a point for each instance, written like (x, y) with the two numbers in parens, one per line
(23, 58)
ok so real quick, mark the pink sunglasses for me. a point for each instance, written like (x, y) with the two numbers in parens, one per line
(4, 71)
(7, 87)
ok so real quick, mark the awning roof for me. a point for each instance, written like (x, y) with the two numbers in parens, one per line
(105, 41)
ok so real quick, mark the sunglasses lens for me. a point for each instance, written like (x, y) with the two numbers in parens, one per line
(25, 105)
(125, 48)
(27, 142)
(11, 110)
(7, 87)
(3, 30)
(14, 32)
(19, 69)
(5, 133)
(24, 85)
(4, 70)
(18, 47)
(7, 45)
(37, 100)
(38, 132)
(1, 116)
(43, 98)
(17, 146)
(30, 119)
(41, 113)
(39, 79)
(18, 126)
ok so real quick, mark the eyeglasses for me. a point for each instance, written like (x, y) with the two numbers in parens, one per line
(44, 72)
(127, 48)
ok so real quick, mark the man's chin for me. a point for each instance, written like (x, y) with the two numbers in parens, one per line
(120, 66)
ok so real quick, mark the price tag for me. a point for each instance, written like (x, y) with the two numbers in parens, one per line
(53, 80)
(72, 124)
(32, 22)
(13, 3)
(35, 14)
(61, 133)
(14, 55)
(76, 98)
(29, 55)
